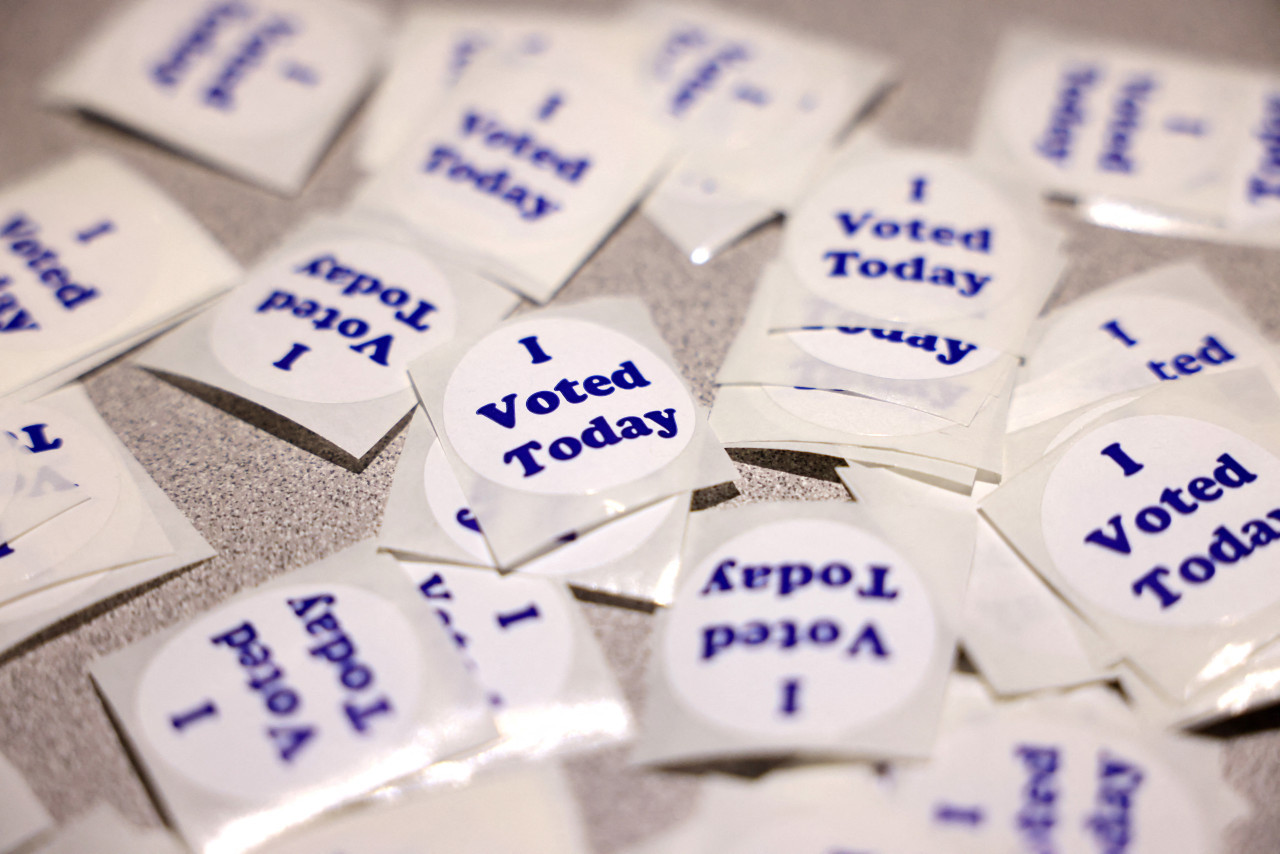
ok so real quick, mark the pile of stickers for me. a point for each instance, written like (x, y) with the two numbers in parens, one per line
(1078, 499)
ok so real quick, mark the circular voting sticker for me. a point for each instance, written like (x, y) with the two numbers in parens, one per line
(283, 690)
(560, 406)
(909, 237)
(241, 71)
(799, 626)
(1166, 520)
(334, 321)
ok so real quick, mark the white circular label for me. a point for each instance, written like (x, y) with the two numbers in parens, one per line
(800, 626)
(852, 413)
(66, 455)
(565, 406)
(1046, 785)
(894, 354)
(241, 70)
(1165, 519)
(283, 691)
(515, 633)
(334, 321)
(912, 238)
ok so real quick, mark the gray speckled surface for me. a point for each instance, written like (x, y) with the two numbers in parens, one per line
(268, 505)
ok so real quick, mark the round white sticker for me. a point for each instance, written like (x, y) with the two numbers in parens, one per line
(909, 237)
(894, 354)
(283, 691)
(808, 626)
(563, 406)
(1047, 785)
(851, 413)
(515, 632)
(1167, 520)
(241, 70)
(334, 321)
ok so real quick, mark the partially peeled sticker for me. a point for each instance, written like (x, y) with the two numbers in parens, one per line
(524, 171)
(1065, 773)
(530, 649)
(755, 107)
(323, 330)
(797, 630)
(559, 421)
(296, 697)
(1154, 521)
(257, 88)
(914, 368)
(917, 238)
(1159, 326)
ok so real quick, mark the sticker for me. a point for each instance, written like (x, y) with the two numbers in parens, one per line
(514, 408)
(1166, 520)
(895, 354)
(256, 88)
(1169, 337)
(73, 263)
(283, 690)
(517, 638)
(807, 625)
(911, 238)
(1054, 786)
(64, 449)
(854, 414)
(334, 321)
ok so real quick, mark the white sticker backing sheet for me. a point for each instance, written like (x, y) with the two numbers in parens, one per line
(256, 88)
(917, 239)
(1143, 141)
(291, 699)
(93, 259)
(1153, 521)
(1158, 326)
(436, 47)
(1070, 772)
(123, 533)
(563, 419)
(524, 169)
(527, 809)
(756, 108)
(528, 645)
(110, 525)
(25, 817)
(800, 629)
(323, 329)
(102, 830)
